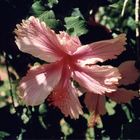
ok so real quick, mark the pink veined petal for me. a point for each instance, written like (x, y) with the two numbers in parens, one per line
(69, 43)
(67, 101)
(95, 103)
(96, 106)
(101, 51)
(35, 38)
(65, 97)
(122, 95)
(129, 73)
(97, 79)
(38, 83)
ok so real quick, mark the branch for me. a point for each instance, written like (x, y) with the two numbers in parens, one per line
(137, 38)
(124, 6)
(10, 82)
(137, 30)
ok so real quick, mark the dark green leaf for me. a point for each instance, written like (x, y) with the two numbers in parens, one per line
(3, 134)
(42, 109)
(131, 23)
(37, 8)
(49, 18)
(76, 12)
(52, 2)
(75, 26)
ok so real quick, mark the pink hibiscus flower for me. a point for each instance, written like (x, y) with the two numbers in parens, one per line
(96, 103)
(68, 60)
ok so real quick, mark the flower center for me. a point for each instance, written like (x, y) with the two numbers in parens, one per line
(69, 60)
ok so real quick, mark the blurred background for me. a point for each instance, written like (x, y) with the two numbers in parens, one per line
(91, 20)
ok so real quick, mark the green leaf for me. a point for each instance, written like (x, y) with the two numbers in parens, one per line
(37, 8)
(49, 18)
(20, 136)
(65, 128)
(76, 12)
(42, 109)
(127, 112)
(76, 24)
(131, 23)
(25, 117)
(52, 2)
(110, 107)
(42, 123)
(90, 134)
(3, 134)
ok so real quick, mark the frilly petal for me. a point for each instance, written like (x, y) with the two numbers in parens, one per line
(95, 103)
(101, 51)
(69, 43)
(128, 72)
(122, 95)
(96, 106)
(35, 38)
(97, 79)
(65, 97)
(38, 83)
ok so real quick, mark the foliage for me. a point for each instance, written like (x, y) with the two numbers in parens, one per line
(3, 135)
(75, 24)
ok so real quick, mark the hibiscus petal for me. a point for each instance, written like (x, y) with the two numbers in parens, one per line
(96, 106)
(122, 95)
(35, 38)
(69, 43)
(101, 51)
(97, 79)
(38, 83)
(65, 97)
(67, 101)
(95, 103)
(129, 73)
